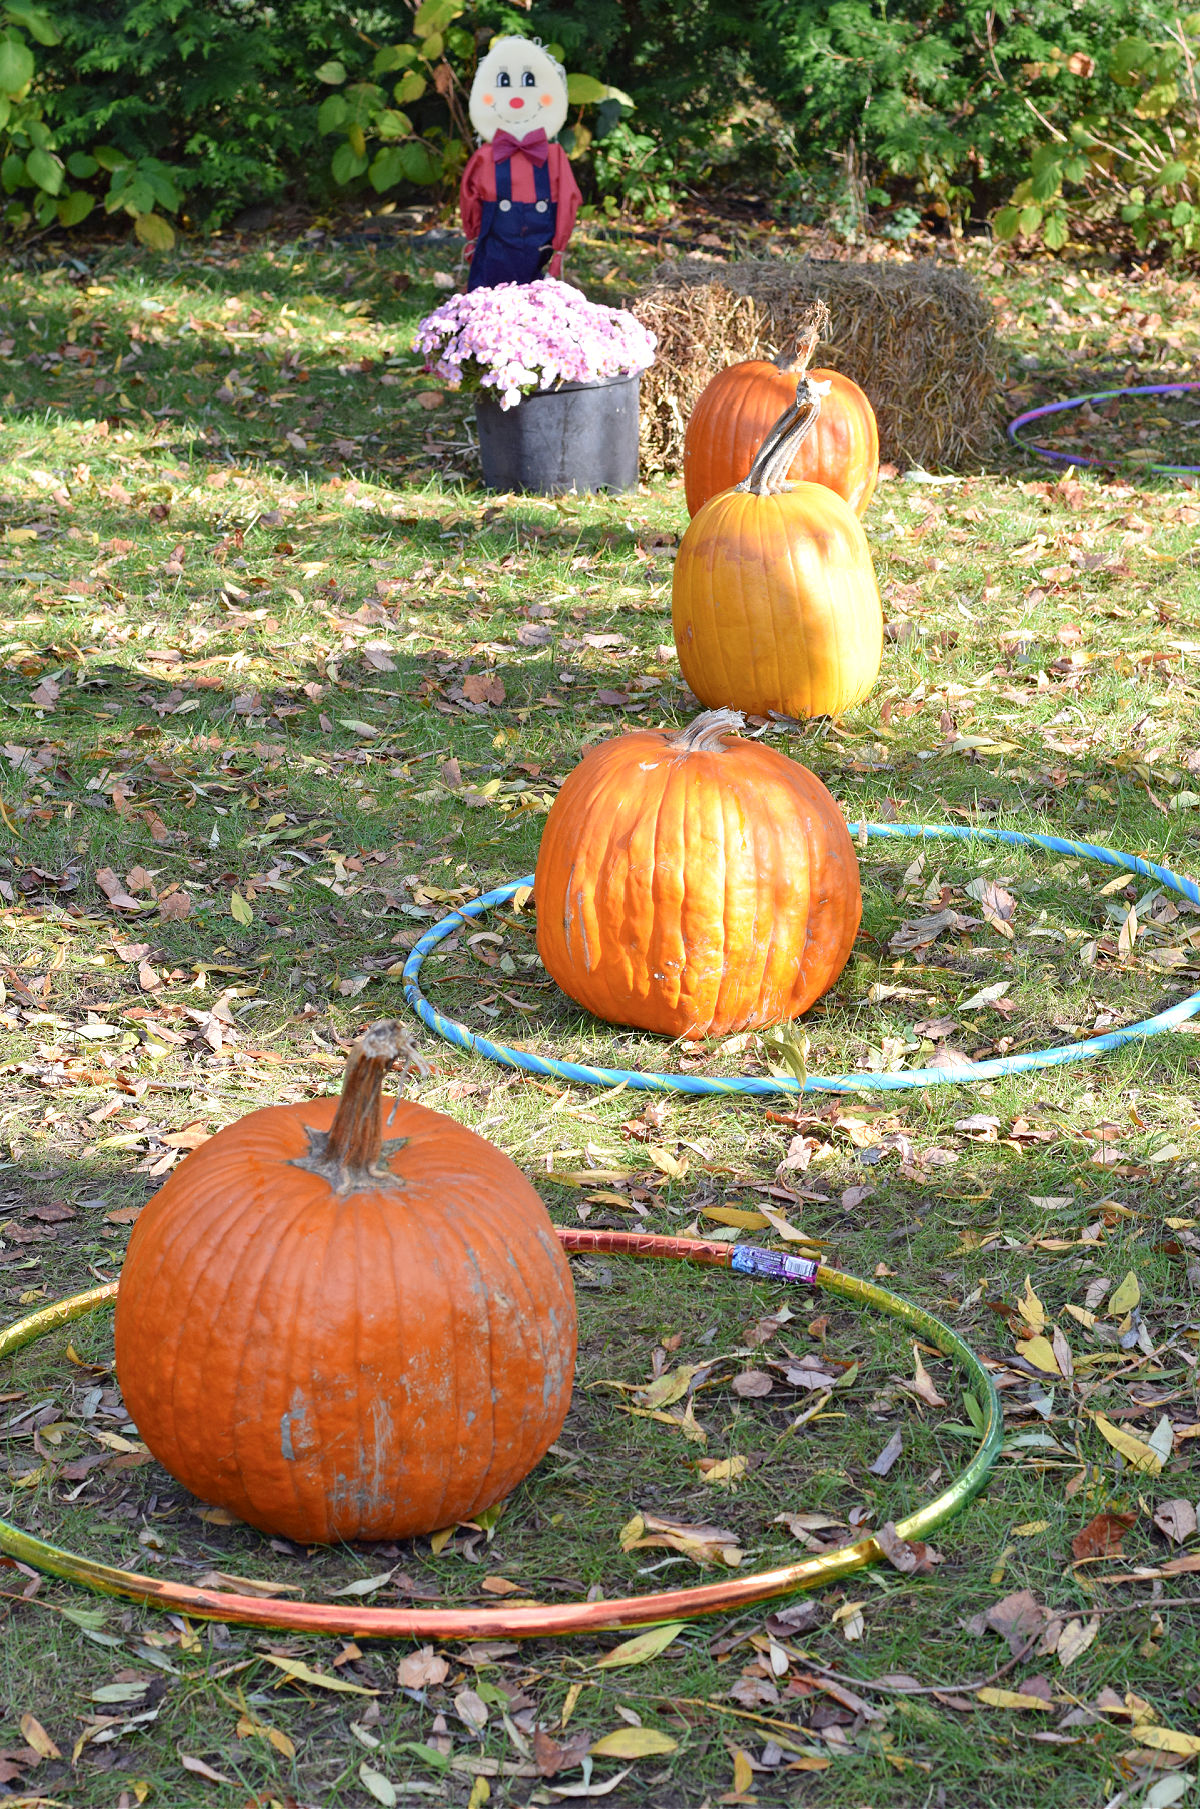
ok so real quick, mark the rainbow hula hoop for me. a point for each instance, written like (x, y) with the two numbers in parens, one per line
(528, 1622)
(1104, 395)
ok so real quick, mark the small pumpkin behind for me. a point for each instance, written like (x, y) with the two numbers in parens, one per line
(348, 1319)
(695, 883)
(741, 404)
(774, 602)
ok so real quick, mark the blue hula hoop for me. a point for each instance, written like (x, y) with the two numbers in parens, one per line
(763, 1086)
(1104, 395)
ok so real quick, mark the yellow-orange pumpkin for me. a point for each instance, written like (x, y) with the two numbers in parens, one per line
(741, 404)
(349, 1319)
(774, 602)
(695, 883)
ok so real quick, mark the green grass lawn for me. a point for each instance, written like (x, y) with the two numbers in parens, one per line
(280, 685)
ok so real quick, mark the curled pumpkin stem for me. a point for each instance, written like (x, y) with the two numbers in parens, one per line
(797, 358)
(350, 1155)
(773, 460)
(706, 735)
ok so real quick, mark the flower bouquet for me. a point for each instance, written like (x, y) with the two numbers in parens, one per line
(521, 338)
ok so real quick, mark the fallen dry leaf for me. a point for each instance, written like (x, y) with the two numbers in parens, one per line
(550, 1756)
(249, 1729)
(704, 1544)
(377, 1785)
(1075, 1639)
(226, 1580)
(114, 891)
(1167, 1739)
(421, 1670)
(922, 1384)
(1031, 1308)
(1010, 1699)
(471, 1710)
(35, 1735)
(1040, 1353)
(190, 1137)
(633, 1743)
(849, 1618)
(1137, 1455)
(743, 1773)
(174, 906)
(483, 688)
(887, 1457)
(1016, 1617)
(723, 1473)
(642, 1648)
(754, 1692)
(201, 1770)
(302, 1673)
(1124, 1298)
(752, 1384)
(1101, 1537)
(1176, 1520)
(912, 1556)
(666, 1389)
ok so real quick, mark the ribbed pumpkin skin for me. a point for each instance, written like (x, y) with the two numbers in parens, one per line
(775, 606)
(695, 894)
(367, 1367)
(732, 417)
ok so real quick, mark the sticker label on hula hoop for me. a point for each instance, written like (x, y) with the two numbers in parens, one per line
(774, 1265)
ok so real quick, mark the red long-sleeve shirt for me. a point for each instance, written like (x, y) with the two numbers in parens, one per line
(479, 185)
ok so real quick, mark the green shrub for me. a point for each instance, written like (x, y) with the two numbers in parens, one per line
(221, 93)
(1131, 167)
(946, 95)
(35, 174)
(635, 173)
(31, 171)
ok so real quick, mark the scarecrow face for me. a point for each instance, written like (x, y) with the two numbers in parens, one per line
(519, 86)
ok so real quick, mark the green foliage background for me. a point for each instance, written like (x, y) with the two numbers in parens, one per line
(942, 105)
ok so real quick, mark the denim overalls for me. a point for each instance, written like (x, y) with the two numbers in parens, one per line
(514, 244)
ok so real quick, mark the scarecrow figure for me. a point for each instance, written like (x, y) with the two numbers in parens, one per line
(518, 196)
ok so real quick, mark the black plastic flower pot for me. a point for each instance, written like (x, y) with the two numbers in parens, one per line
(583, 436)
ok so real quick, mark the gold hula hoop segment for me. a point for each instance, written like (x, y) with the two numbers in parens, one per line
(356, 1622)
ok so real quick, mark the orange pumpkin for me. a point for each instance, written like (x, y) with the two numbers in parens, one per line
(349, 1319)
(774, 601)
(694, 883)
(741, 404)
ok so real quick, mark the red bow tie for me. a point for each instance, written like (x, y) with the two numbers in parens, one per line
(535, 145)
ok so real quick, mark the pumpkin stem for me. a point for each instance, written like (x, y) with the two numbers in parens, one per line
(350, 1155)
(773, 460)
(796, 357)
(706, 734)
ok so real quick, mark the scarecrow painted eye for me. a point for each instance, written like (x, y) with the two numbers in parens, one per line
(527, 80)
(503, 79)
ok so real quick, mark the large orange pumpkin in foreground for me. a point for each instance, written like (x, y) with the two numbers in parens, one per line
(774, 602)
(349, 1319)
(741, 404)
(694, 883)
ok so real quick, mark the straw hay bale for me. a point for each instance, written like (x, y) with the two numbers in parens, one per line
(700, 330)
(919, 338)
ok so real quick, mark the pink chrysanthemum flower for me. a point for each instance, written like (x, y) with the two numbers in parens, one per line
(521, 337)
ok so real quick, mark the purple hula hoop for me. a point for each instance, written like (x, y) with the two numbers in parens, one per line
(1105, 395)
